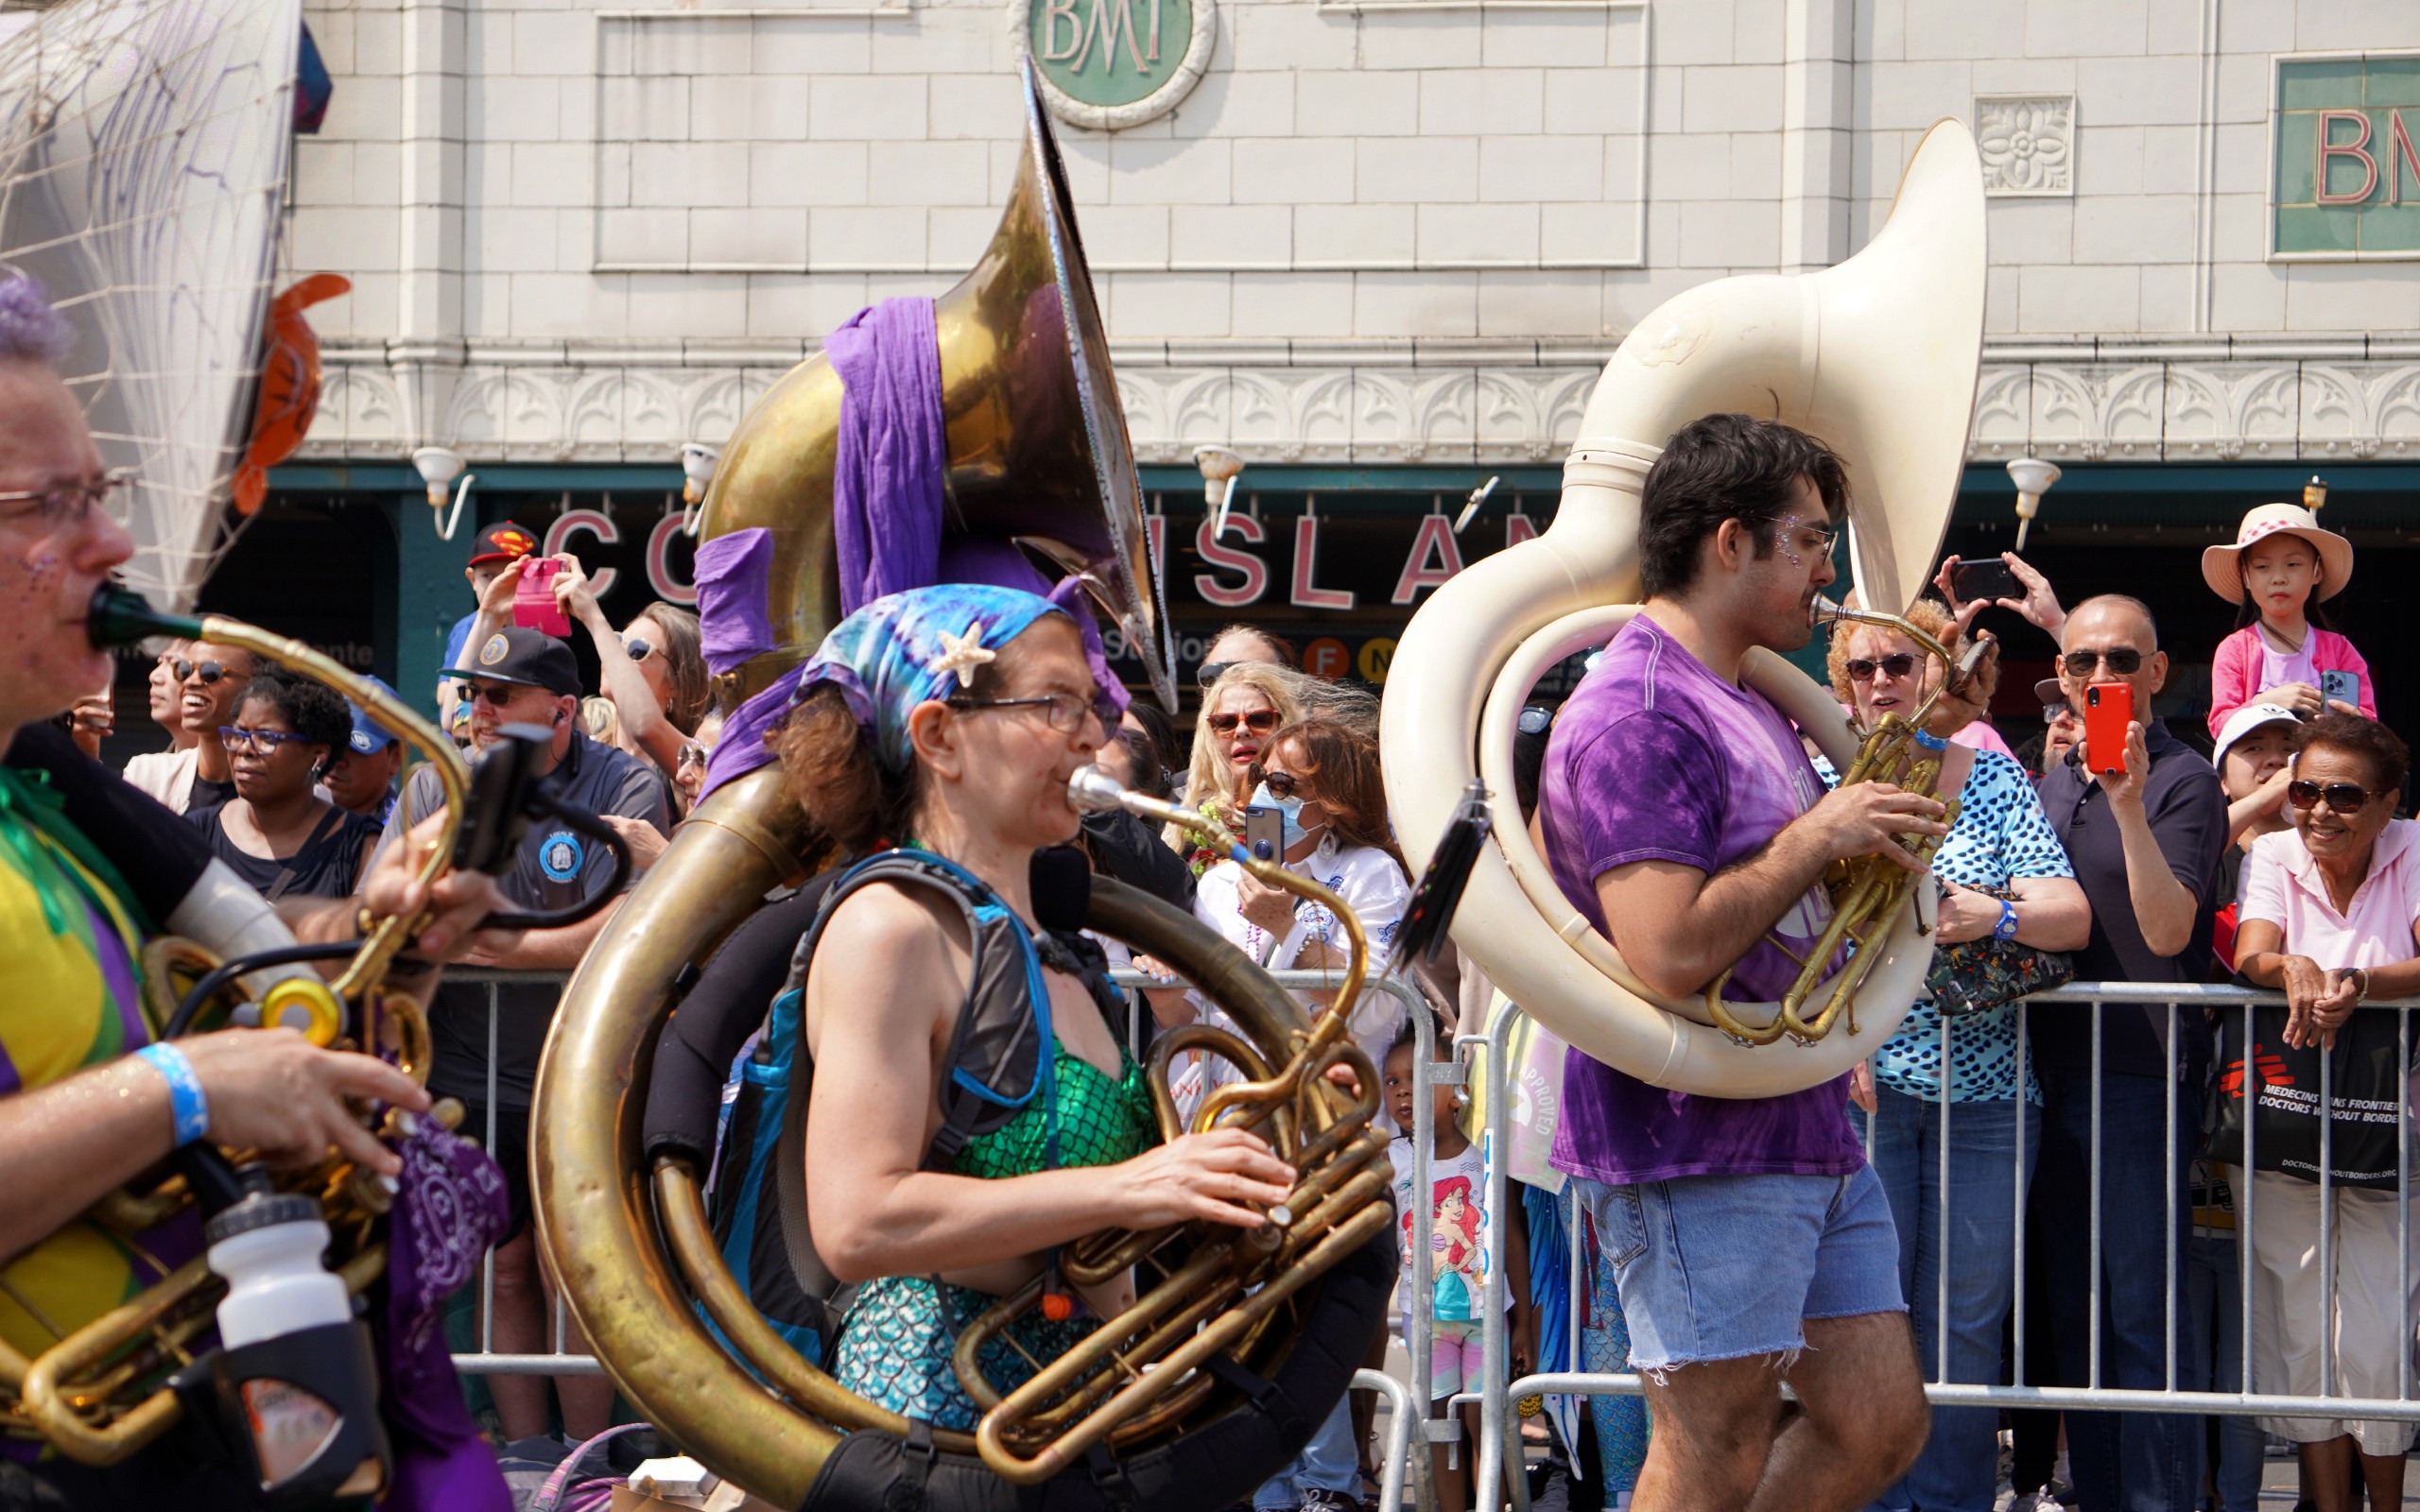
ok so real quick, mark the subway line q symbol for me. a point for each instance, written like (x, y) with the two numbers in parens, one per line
(1106, 64)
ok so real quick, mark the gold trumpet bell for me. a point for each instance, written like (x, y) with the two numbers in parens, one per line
(1038, 452)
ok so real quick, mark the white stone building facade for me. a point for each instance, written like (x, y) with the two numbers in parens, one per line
(1400, 231)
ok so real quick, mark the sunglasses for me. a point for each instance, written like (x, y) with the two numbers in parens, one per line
(1066, 711)
(2124, 660)
(1861, 669)
(636, 649)
(494, 698)
(211, 670)
(1259, 722)
(1536, 721)
(258, 742)
(1281, 785)
(2344, 797)
(1210, 673)
(693, 754)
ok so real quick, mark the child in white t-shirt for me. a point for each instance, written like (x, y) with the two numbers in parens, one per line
(1457, 1274)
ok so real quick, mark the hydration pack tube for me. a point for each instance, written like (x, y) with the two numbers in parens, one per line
(1219, 1463)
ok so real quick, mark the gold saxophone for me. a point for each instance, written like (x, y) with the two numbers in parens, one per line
(99, 1394)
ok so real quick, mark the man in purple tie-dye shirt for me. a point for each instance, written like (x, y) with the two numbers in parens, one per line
(1752, 1244)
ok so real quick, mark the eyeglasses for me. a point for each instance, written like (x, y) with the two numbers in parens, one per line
(64, 505)
(1259, 722)
(636, 649)
(1861, 669)
(211, 670)
(1815, 539)
(2124, 659)
(1282, 784)
(693, 754)
(2344, 797)
(1067, 711)
(258, 742)
(1210, 673)
(1536, 721)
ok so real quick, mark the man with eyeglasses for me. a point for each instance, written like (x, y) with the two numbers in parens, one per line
(91, 1097)
(2146, 846)
(520, 677)
(1681, 816)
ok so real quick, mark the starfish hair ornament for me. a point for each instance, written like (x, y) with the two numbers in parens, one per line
(961, 654)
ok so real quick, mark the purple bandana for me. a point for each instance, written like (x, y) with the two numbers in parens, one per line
(451, 1208)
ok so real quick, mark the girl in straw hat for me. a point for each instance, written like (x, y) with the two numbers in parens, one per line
(2281, 563)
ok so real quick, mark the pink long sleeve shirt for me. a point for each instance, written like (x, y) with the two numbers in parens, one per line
(2236, 672)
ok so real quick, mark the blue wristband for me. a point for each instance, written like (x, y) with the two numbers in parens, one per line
(187, 1105)
(2005, 928)
(1930, 741)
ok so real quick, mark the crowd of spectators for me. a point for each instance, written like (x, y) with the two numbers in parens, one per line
(2278, 861)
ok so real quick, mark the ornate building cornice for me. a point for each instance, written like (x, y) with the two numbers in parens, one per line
(2185, 399)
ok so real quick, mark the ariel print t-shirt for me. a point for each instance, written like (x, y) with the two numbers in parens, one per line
(1457, 1234)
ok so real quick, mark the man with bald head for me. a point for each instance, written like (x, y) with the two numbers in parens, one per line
(2145, 844)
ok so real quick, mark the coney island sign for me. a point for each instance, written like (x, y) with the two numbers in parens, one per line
(1106, 64)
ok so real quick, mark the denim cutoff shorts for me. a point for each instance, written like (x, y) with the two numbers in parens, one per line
(1722, 1267)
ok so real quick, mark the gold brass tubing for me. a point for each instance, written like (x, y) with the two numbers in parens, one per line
(1231, 1047)
(680, 1206)
(48, 1388)
(1219, 1334)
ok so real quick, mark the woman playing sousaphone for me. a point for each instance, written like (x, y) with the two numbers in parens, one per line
(937, 729)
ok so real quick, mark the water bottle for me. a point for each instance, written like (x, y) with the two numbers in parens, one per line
(268, 1246)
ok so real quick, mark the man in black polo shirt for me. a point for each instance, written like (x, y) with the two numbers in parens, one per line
(2146, 848)
(520, 677)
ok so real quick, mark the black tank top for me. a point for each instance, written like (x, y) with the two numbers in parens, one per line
(328, 865)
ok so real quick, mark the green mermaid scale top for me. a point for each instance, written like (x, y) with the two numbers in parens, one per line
(1102, 1122)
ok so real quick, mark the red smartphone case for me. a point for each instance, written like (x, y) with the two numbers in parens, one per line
(2108, 709)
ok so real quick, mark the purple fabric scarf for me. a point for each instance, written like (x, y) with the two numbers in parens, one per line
(887, 486)
(451, 1208)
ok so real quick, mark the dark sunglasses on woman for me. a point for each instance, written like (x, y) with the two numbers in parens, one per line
(636, 649)
(1280, 784)
(2344, 797)
(1260, 722)
(1861, 669)
(1210, 673)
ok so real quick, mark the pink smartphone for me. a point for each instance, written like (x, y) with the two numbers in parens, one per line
(534, 599)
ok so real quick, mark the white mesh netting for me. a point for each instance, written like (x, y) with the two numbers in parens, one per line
(143, 158)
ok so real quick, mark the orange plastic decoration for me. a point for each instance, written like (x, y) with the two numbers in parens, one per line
(289, 394)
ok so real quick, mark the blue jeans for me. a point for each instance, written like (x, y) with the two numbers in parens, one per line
(1327, 1463)
(1957, 1470)
(2124, 1462)
(2214, 1283)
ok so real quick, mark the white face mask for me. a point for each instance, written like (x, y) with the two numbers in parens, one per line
(1291, 808)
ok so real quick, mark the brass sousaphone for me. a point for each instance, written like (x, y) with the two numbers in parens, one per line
(1038, 454)
(1878, 357)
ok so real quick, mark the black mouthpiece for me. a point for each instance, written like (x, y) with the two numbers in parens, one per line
(120, 616)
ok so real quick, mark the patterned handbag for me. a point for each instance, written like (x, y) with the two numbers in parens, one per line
(1977, 975)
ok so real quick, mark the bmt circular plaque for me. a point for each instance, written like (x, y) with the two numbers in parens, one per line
(1112, 63)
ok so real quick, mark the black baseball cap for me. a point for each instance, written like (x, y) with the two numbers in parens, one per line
(527, 659)
(502, 542)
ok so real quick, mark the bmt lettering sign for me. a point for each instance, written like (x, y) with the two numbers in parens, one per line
(1112, 63)
(2344, 136)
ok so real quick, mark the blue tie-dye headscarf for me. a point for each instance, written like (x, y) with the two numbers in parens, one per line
(904, 648)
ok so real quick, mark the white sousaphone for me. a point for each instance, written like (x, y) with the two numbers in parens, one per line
(1878, 357)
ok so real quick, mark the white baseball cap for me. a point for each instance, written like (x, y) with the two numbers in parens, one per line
(2245, 720)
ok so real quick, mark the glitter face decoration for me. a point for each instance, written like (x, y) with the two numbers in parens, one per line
(1787, 531)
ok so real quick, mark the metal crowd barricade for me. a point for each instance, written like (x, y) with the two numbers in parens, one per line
(1499, 1427)
(1407, 1420)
